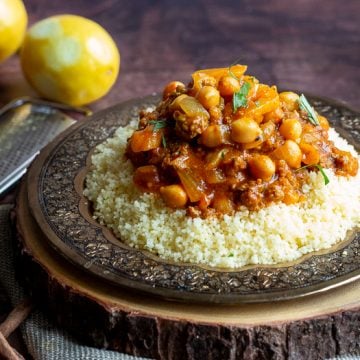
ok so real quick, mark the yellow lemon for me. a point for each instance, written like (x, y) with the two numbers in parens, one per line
(70, 59)
(13, 21)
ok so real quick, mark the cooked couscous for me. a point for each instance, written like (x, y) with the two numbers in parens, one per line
(275, 234)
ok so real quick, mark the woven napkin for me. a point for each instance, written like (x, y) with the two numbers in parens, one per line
(43, 339)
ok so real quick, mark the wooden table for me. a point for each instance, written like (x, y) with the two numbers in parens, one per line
(305, 45)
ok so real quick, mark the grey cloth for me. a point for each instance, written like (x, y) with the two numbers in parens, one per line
(43, 339)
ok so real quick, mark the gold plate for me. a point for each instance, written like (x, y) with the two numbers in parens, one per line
(55, 186)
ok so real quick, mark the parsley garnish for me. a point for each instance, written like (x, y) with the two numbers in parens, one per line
(304, 105)
(163, 140)
(231, 254)
(240, 97)
(158, 124)
(326, 179)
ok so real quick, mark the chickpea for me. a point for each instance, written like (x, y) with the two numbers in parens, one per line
(290, 152)
(174, 196)
(290, 129)
(245, 130)
(208, 96)
(261, 167)
(213, 136)
(290, 99)
(228, 85)
(310, 154)
(171, 88)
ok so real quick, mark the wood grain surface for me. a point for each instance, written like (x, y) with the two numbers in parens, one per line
(311, 46)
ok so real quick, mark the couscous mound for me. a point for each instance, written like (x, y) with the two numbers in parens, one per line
(271, 235)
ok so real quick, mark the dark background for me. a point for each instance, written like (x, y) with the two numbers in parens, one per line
(307, 45)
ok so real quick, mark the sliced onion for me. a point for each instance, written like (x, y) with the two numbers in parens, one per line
(192, 107)
(175, 105)
(194, 186)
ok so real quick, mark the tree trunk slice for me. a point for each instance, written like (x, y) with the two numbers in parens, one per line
(102, 315)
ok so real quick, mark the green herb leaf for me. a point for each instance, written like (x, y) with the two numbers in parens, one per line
(326, 179)
(158, 124)
(240, 97)
(231, 254)
(304, 105)
(321, 169)
(163, 140)
(230, 72)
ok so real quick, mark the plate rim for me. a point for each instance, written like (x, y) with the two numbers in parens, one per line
(74, 257)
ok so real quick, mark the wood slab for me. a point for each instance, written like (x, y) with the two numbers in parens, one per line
(102, 315)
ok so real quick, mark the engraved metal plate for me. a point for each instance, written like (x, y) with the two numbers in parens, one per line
(55, 185)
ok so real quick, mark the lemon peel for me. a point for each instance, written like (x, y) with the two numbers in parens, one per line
(13, 22)
(70, 59)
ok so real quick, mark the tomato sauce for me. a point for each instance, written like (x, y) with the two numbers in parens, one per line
(226, 141)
